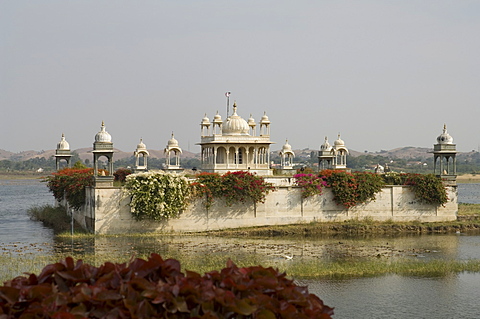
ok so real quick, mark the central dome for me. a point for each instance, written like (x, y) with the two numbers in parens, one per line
(235, 124)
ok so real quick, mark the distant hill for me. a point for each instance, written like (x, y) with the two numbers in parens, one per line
(407, 152)
(83, 153)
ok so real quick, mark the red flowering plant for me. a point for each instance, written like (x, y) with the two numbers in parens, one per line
(208, 186)
(244, 186)
(351, 189)
(69, 184)
(233, 187)
(310, 184)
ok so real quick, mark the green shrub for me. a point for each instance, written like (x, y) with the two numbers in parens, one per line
(156, 288)
(428, 188)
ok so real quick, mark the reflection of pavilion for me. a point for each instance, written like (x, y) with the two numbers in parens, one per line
(233, 144)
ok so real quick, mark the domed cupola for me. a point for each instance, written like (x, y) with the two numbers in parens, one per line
(63, 144)
(445, 138)
(251, 121)
(217, 118)
(265, 119)
(103, 136)
(172, 142)
(286, 156)
(235, 125)
(339, 142)
(141, 146)
(286, 147)
(325, 146)
(205, 120)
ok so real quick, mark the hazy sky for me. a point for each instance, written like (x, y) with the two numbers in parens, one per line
(383, 74)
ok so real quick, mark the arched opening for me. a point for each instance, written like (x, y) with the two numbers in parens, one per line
(221, 155)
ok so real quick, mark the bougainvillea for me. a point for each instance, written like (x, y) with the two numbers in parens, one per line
(351, 189)
(69, 184)
(310, 184)
(156, 288)
(233, 187)
(157, 195)
(207, 186)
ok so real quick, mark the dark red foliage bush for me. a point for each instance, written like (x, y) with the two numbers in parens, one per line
(121, 174)
(156, 288)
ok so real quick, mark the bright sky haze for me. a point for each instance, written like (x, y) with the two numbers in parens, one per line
(383, 74)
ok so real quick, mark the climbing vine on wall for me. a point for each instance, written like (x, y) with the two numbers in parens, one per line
(157, 195)
(310, 184)
(351, 189)
(427, 188)
(233, 187)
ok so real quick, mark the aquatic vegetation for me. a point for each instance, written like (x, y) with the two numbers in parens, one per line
(53, 217)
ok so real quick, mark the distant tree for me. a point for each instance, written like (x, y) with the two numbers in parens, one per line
(79, 165)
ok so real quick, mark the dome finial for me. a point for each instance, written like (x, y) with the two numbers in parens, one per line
(234, 107)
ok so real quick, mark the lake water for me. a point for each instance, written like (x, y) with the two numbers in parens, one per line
(392, 296)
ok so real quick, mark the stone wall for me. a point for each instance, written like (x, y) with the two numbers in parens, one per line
(107, 211)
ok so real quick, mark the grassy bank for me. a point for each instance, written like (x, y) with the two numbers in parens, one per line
(55, 218)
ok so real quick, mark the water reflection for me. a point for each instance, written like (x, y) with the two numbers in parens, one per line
(453, 296)
(447, 246)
